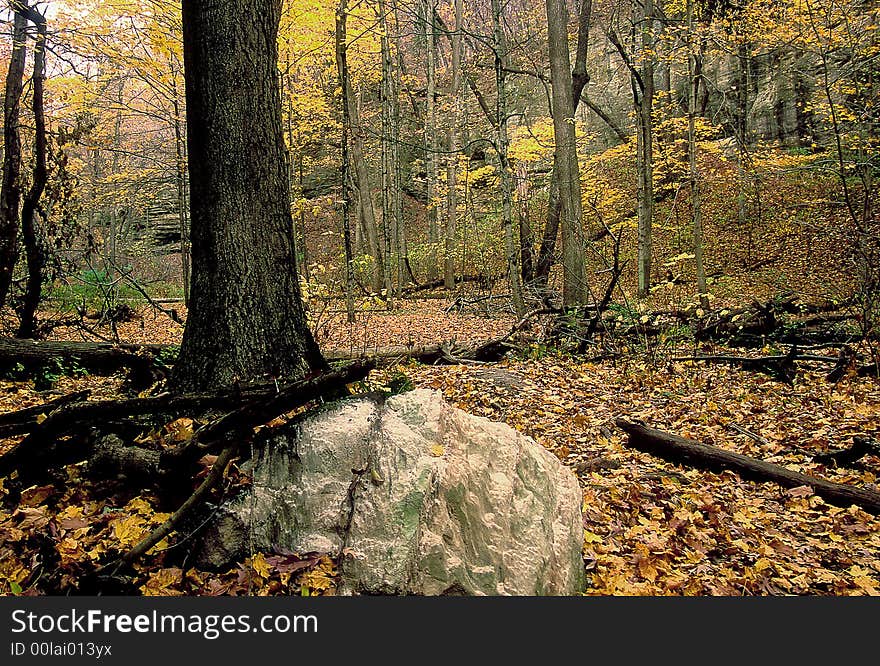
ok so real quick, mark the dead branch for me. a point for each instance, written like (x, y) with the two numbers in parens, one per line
(704, 456)
(861, 447)
(21, 421)
(194, 500)
(38, 450)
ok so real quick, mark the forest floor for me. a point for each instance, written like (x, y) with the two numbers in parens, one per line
(651, 527)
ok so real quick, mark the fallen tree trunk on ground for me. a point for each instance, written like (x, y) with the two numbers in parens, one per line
(861, 447)
(21, 421)
(451, 353)
(780, 367)
(680, 450)
(40, 448)
(94, 357)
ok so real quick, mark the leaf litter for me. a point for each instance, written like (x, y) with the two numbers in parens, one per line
(650, 527)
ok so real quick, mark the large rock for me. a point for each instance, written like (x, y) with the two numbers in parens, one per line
(420, 497)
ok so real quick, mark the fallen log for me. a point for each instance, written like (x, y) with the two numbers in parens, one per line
(860, 447)
(37, 450)
(489, 351)
(871, 370)
(22, 420)
(677, 449)
(781, 367)
(94, 357)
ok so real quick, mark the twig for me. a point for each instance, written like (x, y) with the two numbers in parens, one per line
(750, 434)
(170, 525)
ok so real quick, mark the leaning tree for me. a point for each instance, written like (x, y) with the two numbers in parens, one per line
(246, 317)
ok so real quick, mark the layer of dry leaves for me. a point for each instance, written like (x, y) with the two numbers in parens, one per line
(650, 527)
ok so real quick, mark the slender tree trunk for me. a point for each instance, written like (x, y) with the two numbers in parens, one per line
(526, 247)
(646, 145)
(567, 169)
(502, 143)
(430, 140)
(342, 67)
(10, 190)
(742, 121)
(246, 318)
(453, 153)
(389, 157)
(365, 197)
(404, 269)
(696, 203)
(579, 80)
(33, 242)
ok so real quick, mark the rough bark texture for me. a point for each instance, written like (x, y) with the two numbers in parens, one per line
(580, 77)
(246, 317)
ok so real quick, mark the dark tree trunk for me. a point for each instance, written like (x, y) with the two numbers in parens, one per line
(246, 317)
(33, 242)
(10, 191)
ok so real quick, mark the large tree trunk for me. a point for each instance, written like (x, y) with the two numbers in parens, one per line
(567, 170)
(182, 205)
(10, 190)
(246, 317)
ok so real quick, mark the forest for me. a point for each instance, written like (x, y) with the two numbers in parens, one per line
(640, 237)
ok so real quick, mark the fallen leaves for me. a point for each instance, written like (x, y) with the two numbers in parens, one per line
(656, 528)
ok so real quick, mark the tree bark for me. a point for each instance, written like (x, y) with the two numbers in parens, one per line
(680, 450)
(566, 161)
(345, 207)
(453, 151)
(10, 190)
(246, 318)
(645, 148)
(696, 203)
(365, 196)
(502, 142)
(430, 141)
(33, 241)
(579, 80)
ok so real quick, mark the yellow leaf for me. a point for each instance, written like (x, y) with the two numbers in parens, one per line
(139, 506)
(437, 450)
(129, 530)
(259, 564)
